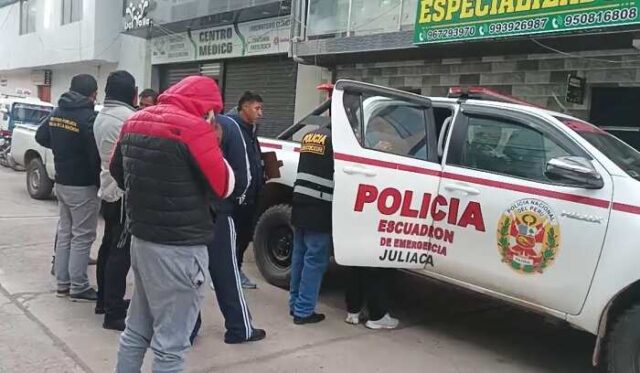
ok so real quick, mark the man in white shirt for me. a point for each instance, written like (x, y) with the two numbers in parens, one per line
(114, 257)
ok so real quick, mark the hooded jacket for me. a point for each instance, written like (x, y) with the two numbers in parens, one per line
(255, 159)
(68, 132)
(169, 164)
(234, 150)
(106, 131)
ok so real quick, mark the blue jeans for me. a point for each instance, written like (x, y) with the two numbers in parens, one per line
(309, 261)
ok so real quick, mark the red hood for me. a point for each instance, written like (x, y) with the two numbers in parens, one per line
(194, 94)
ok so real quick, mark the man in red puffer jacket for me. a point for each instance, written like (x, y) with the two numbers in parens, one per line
(168, 163)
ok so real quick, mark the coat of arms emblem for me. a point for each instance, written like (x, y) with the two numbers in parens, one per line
(528, 236)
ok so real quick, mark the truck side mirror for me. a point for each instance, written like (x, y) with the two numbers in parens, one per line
(576, 171)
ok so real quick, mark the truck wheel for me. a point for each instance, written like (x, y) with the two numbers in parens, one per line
(623, 344)
(39, 185)
(273, 245)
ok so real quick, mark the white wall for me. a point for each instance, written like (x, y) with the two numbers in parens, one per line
(96, 37)
(135, 57)
(19, 79)
(93, 46)
(307, 96)
(61, 78)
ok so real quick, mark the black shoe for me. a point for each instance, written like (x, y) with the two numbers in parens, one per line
(311, 319)
(256, 335)
(88, 295)
(100, 310)
(62, 293)
(118, 324)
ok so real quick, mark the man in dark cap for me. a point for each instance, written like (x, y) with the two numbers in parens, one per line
(68, 132)
(114, 258)
(148, 98)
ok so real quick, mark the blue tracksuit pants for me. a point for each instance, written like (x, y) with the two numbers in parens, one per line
(225, 275)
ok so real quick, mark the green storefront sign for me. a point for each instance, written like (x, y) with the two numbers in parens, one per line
(457, 20)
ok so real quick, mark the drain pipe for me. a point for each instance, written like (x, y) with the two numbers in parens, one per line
(296, 35)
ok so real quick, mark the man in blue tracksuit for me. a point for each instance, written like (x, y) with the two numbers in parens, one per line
(246, 116)
(223, 261)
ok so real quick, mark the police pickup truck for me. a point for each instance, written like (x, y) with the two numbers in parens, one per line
(527, 205)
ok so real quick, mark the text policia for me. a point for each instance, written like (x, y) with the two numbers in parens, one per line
(422, 237)
(445, 10)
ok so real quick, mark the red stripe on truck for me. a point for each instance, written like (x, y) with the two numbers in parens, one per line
(596, 202)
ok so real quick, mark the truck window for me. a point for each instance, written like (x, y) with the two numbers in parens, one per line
(619, 152)
(388, 125)
(29, 114)
(504, 147)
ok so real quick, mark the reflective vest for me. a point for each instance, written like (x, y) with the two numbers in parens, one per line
(313, 189)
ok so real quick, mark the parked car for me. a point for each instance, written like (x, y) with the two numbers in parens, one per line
(17, 110)
(520, 203)
(36, 159)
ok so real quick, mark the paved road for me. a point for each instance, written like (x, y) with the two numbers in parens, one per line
(443, 329)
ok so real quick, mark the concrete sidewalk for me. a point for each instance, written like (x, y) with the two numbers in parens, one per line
(442, 329)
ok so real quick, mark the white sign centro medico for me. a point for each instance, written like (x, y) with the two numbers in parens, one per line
(268, 36)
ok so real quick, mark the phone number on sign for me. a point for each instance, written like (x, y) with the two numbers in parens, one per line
(604, 16)
(449, 33)
(518, 26)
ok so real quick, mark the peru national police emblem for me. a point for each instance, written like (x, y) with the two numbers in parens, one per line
(528, 236)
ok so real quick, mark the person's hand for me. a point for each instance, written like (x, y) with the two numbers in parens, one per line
(218, 131)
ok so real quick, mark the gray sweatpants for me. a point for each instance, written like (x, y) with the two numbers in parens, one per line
(166, 301)
(76, 232)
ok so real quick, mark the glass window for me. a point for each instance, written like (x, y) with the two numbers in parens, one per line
(375, 16)
(619, 152)
(327, 17)
(27, 16)
(508, 148)
(388, 125)
(71, 11)
(409, 13)
(29, 114)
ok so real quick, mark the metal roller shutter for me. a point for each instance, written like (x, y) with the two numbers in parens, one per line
(274, 79)
(211, 70)
(175, 73)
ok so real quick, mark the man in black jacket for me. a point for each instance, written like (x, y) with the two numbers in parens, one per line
(68, 132)
(247, 116)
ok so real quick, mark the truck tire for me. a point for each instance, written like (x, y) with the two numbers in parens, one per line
(39, 185)
(623, 343)
(273, 245)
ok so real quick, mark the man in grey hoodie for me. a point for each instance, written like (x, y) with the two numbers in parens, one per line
(114, 257)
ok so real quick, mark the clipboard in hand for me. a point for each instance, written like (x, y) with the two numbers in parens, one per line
(271, 165)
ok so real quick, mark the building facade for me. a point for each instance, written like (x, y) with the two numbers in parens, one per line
(530, 49)
(46, 42)
(242, 44)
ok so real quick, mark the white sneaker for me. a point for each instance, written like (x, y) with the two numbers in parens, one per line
(386, 322)
(353, 318)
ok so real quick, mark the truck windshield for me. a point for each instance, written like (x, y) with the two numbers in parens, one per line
(623, 155)
(28, 113)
